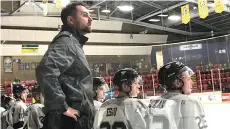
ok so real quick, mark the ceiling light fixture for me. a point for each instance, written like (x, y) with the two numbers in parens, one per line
(211, 5)
(154, 20)
(42, 5)
(163, 15)
(174, 17)
(91, 11)
(125, 8)
(63, 2)
(227, 9)
(226, 1)
(105, 11)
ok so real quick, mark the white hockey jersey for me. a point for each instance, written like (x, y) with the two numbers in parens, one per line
(35, 116)
(2, 109)
(16, 113)
(97, 104)
(121, 113)
(161, 114)
(176, 111)
(3, 120)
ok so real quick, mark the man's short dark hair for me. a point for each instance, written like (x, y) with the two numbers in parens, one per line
(70, 10)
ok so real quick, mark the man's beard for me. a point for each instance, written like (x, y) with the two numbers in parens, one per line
(87, 29)
(83, 28)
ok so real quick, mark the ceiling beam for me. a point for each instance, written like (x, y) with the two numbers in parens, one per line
(4, 10)
(162, 11)
(38, 5)
(205, 25)
(116, 8)
(12, 12)
(95, 5)
(156, 26)
(151, 4)
(216, 17)
(147, 25)
(193, 15)
(210, 33)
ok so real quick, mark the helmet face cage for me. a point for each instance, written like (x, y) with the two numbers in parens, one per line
(141, 82)
(186, 69)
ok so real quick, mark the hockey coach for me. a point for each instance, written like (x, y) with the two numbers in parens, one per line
(64, 75)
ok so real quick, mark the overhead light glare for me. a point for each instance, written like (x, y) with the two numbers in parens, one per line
(226, 1)
(211, 5)
(154, 20)
(63, 2)
(91, 11)
(105, 11)
(125, 8)
(227, 9)
(42, 5)
(174, 17)
(163, 15)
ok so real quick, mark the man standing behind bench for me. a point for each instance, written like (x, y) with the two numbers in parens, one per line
(64, 74)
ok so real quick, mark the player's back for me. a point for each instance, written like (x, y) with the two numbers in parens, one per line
(161, 114)
(35, 116)
(121, 113)
(188, 112)
(16, 115)
(3, 120)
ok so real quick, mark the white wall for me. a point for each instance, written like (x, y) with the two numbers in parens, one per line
(54, 22)
(15, 50)
(47, 36)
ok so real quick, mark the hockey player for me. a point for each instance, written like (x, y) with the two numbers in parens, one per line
(6, 103)
(3, 112)
(36, 110)
(125, 111)
(175, 109)
(16, 114)
(99, 88)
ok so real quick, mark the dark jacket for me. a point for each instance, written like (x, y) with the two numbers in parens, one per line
(64, 74)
